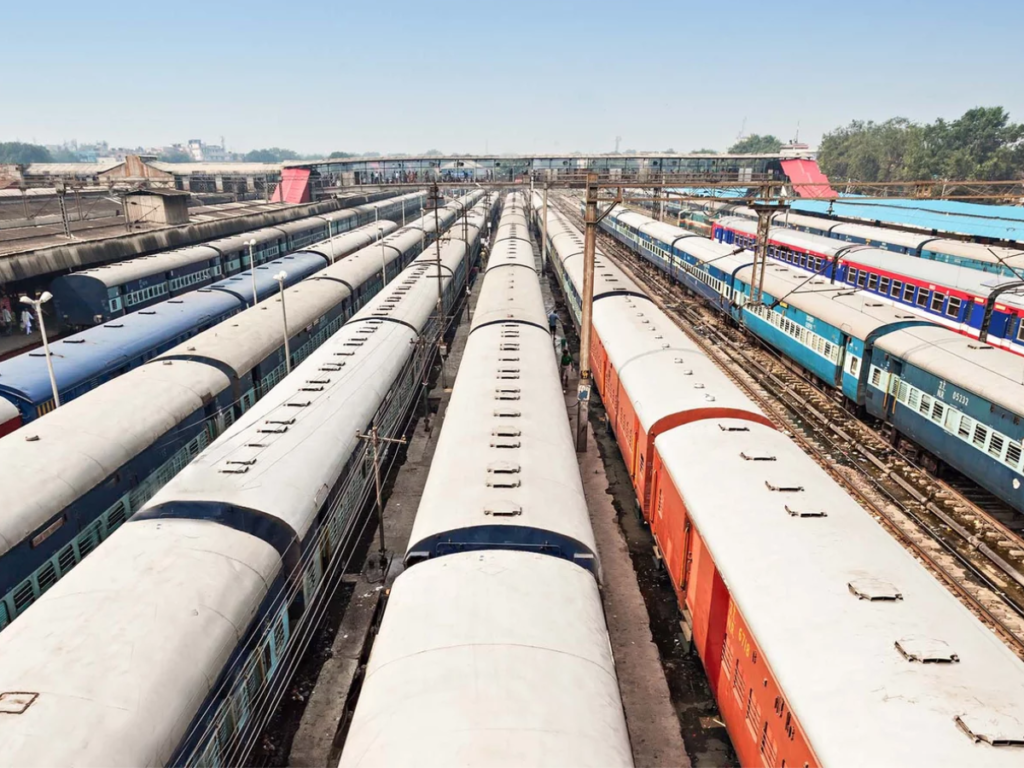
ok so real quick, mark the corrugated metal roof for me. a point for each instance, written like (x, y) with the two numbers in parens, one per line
(1003, 222)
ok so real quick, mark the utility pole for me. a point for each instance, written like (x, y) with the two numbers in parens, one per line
(544, 230)
(592, 219)
(435, 197)
(375, 440)
(764, 211)
(61, 191)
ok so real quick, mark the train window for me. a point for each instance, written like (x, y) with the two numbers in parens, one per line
(1013, 454)
(883, 285)
(938, 299)
(873, 282)
(922, 298)
(897, 289)
(1020, 331)
(862, 279)
(980, 435)
(908, 293)
(953, 308)
(851, 276)
(995, 446)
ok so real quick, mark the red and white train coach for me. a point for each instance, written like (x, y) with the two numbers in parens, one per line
(825, 642)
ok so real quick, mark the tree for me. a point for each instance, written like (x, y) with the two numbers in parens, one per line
(981, 145)
(63, 155)
(704, 152)
(340, 155)
(270, 155)
(174, 155)
(433, 153)
(756, 145)
(19, 153)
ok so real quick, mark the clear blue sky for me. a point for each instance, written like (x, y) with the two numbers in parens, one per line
(525, 76)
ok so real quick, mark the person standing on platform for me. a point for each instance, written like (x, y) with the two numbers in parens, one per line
(26, 322)
(566, 366)
(552, 321)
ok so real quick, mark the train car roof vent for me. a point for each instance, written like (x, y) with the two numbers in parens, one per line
(503, 509)
(729, 428)
(755, 456)
(16, 702)
(992, 727)
(794, 512)
(979, 346)
(503, 468)
(868, 588)
(507, 413)
(783, 487)
(698, 385)
(506, 432)
(926, 650)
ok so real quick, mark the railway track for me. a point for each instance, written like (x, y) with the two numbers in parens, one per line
(975, 554)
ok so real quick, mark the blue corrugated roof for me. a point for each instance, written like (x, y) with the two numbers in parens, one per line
(1001, 222)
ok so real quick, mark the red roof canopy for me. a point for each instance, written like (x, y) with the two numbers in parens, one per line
(806, 173)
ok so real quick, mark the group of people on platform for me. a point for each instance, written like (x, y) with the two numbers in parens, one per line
(8, 324)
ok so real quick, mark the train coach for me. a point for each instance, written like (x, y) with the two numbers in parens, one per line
(174, 642)
(824, 641)
(98, 295)
(85, 360)
(76, 474)
(946, 294)
(836, 332)
(493, 648)
(998, 260)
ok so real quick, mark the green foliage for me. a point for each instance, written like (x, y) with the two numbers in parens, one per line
(63, 155)
(703, 151)
(340, 155)
(174, 155)
(20, 153)
(270, 155)
(981, 145)
(756, 145)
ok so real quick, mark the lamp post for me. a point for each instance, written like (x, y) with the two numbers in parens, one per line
(280, 276)
(330, 236)
(423, 231)
(38, 305)
(383, 261)
(252, 268)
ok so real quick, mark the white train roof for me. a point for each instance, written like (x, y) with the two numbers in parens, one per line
(992, 373)
(246, 338)
(123, 651)
(992, 254)
(879, 235)
(837, 658)
(8, 411)
(664, 371)
(351, 241)
(567, 247)
(497, 659)
(284, 454)
(505, 456)
(84, 441)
